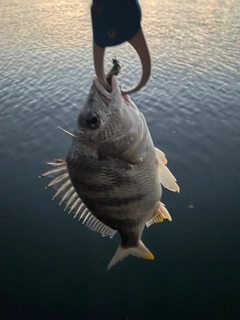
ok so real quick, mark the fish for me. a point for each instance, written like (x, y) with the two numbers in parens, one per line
(113, 174)
(114, 71)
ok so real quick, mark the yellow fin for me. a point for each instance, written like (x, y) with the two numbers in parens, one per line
(160, 215)
(139, 251)
(166, 178)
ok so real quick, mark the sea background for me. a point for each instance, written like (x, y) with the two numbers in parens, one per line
(52, 267)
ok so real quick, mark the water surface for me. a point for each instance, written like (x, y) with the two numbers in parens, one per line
(54, 268)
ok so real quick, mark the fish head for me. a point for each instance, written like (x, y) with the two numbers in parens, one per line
(98, 112)
(107, 121)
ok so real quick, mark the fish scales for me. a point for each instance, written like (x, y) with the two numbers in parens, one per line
(117, 187)
(114, 171)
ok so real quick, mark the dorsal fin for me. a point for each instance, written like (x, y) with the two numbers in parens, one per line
(61, 181)
(166, 178)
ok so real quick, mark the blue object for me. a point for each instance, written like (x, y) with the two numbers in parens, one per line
(114, 21)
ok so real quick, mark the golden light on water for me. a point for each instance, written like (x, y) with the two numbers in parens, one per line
(56, 22)
(161, 20)
(175, 30)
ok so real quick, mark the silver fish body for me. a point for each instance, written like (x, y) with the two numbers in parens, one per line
(115, 171)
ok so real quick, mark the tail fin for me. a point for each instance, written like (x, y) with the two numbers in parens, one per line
(139, 251)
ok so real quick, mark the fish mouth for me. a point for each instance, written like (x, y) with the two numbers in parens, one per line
(108, 97)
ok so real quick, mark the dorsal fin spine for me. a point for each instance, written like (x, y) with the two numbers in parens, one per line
(62, 182)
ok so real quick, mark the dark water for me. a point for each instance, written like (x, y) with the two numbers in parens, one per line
(54, 268)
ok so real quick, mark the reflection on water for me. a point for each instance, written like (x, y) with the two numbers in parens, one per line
(53, 267)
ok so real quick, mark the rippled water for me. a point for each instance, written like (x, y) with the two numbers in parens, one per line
(54, 268)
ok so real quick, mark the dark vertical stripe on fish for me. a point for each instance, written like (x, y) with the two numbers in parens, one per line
(110, 202)
(92, 187)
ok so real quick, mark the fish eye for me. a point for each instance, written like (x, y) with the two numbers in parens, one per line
(93, 120)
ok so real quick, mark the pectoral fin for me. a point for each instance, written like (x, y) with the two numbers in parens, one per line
(161, 156)
(160, 215)
(166, 178)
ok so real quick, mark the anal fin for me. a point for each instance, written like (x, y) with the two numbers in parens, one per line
(161, 214)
